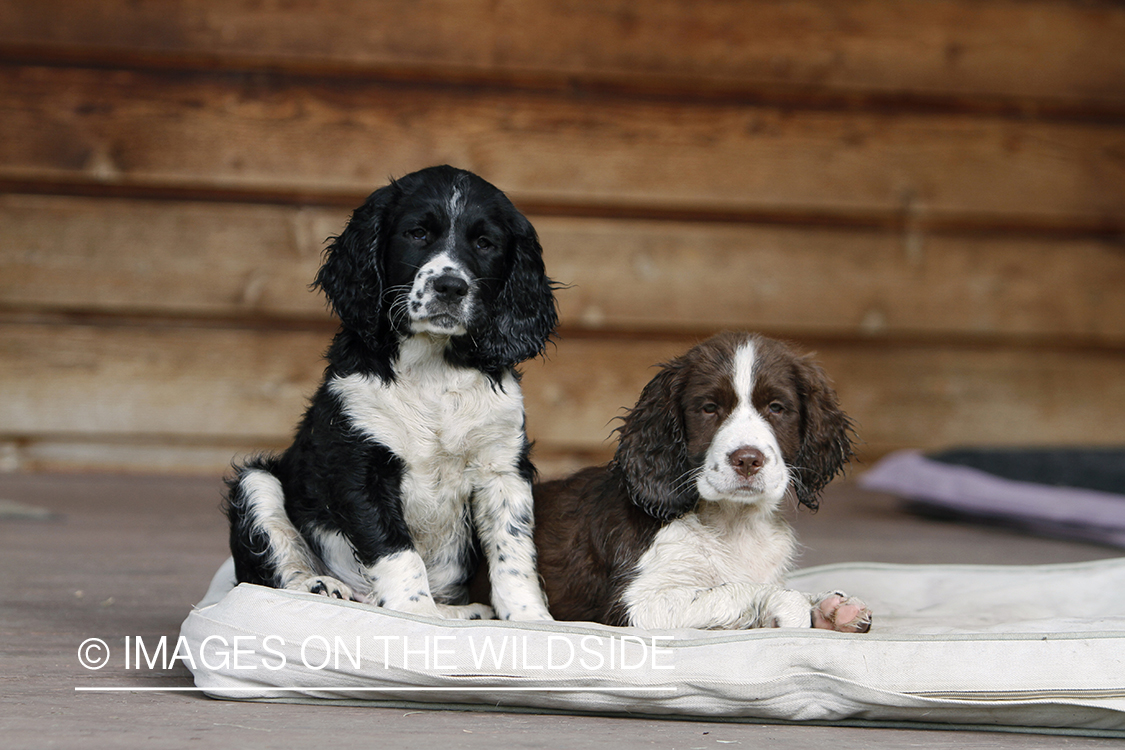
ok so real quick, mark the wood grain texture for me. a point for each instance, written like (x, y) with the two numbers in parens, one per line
(230, 386)
(932, 191)
(827, 283)
(919, 396)
(173, 259)
(947, 48)
(176, 382)
(129, 556)
(218, 131)
(160, 258)
(149, 455)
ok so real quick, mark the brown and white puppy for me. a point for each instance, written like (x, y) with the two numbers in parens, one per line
(683, 528)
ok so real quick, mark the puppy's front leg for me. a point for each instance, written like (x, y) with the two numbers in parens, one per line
(765, 606)
(503, 514)
(746, 605)
(399, 582)
(833, 610)
(728, 606)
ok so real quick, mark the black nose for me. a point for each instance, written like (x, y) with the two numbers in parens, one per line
(450, 287)
(747, 461)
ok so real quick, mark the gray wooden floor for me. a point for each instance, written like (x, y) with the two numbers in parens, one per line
(128, 556)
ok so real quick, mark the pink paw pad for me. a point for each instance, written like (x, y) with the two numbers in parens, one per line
(840, 612)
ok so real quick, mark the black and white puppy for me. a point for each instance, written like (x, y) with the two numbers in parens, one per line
(683, 529)
(412, 460)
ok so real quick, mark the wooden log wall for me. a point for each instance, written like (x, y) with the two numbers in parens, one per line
(929, 193)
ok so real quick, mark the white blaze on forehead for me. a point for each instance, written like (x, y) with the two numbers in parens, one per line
(744, 427)
(456, 206)
(744, 362)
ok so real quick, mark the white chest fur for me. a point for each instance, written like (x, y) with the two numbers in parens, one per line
(452, 427)
(720, 543)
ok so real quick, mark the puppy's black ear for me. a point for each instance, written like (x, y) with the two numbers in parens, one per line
(652, 448)
(351, 276)
(826, 434)
(524, 313)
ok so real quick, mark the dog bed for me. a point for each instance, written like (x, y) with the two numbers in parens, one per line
(1039, 648)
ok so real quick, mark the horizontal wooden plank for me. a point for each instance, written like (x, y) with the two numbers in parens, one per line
(241, 261)
(101, 454)
(913, 396)
(158, 258)
(821, 282)
(201, 131)
(167, 455)
(1065, 51)
(191, 383)
(229, 386)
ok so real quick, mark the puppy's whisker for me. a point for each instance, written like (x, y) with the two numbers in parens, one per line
(687, 479)
(398, 291)
(797, 486)
(690, 475)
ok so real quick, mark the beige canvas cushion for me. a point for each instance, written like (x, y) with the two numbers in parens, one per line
(1020, 646)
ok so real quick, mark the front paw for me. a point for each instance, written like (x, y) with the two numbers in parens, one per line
(323, 585)
(837, 611)
(524, 612)
(786, 609)
(466, 611)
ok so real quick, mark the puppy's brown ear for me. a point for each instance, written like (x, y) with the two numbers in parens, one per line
(652, 448)
(826, 434)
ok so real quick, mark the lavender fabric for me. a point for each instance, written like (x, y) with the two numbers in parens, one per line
(1072, 512)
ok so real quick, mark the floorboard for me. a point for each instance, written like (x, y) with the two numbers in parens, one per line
(119, 556)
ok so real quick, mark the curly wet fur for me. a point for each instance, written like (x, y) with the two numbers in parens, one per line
(411, 460)
(682, 528)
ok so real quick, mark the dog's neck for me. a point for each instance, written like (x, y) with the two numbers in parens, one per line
(421, 351)
(732, 513)
(353, 353)
(750, 529)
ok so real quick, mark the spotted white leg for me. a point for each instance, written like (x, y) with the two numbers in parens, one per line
(503, 514)
(399, 582)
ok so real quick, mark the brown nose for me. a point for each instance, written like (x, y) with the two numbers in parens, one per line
(747, 461)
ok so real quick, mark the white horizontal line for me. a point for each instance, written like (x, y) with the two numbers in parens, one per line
(458, 689)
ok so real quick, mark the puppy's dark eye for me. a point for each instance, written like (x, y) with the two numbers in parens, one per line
(483, 244)
(776, 407)
(709, 408)
(417, 233)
